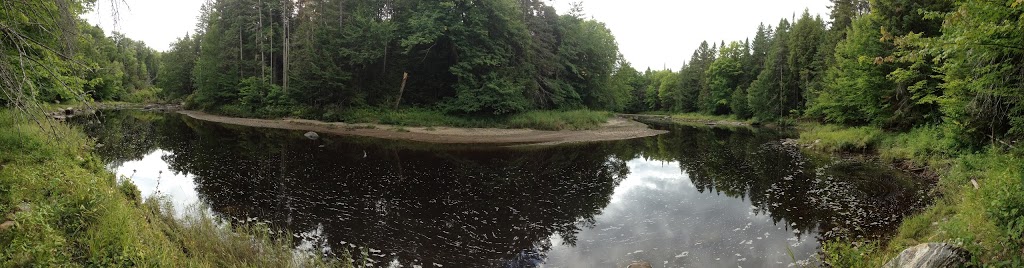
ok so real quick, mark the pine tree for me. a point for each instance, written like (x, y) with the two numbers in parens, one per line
(769, 95)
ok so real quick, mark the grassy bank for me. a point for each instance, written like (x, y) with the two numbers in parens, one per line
(62, 208)
(704, 118)
(987, 220)
(419, 117)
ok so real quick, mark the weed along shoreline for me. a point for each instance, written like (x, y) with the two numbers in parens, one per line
(615, 129)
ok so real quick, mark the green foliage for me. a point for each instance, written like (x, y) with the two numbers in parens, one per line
(589, 53)
(927, 146)
(853, 94)
(724, 78)
(257, 92)
(766, 96)
(478, 58)
(806, 65)
(559, 120)
(738, 104)
(406, 117)
(68, 210)
(176, 67)
(624, 83)
(985, 220)
(50, 54)
(418, 117)
(832, 138)
(846, 254)
(982, 64)
(149, 95)
(884, 74)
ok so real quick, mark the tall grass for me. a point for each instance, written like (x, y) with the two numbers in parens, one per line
(68, 210)
(422, 117)
(830, 138)
(706, 118)
(559, 120)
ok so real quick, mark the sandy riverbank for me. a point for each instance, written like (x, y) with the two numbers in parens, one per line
(615, 129)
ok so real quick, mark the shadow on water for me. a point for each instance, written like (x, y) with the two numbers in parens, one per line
(694, 197)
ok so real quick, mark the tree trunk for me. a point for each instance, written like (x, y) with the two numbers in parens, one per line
(259, 41)
(240, 74)
(287, 46)
(405, 77)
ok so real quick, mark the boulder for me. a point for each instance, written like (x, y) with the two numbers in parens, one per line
(931, 255)
(639, 264)
(6, 225)
(312, 135)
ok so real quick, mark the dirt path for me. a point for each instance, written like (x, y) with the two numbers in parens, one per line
(615, 129)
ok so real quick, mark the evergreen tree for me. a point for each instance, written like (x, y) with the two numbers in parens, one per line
(770, 96)
(854, 93)
(700, 63)
(983, 67)
(808, 33)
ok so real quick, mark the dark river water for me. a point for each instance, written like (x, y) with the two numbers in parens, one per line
(696, 197)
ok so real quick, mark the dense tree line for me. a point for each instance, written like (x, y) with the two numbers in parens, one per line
(893, 64)
(48, 53)
(463, 57)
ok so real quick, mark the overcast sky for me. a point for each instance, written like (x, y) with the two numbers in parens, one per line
(651, 33)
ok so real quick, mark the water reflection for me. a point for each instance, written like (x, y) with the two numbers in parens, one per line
(694, 197)
(660, 216)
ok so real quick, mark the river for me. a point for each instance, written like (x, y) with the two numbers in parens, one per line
(696, 197)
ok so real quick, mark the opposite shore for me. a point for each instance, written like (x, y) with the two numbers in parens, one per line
(614, 129)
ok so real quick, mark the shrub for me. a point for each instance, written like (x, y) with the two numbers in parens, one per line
(255, 91)
(148, 95)
(556, 120)
(922, 146)
(77, 214)
(832, 138)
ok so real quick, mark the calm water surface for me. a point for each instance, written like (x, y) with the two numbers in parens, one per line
(696, 197)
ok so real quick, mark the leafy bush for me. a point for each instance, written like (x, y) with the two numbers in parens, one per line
(923, 146)
(143, 96)
(845, 254)
(255, 91)
(72, 212)
(555, 120)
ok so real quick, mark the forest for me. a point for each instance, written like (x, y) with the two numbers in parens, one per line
(892, 64)
(935, 85)
(459, 57)
(76, 63)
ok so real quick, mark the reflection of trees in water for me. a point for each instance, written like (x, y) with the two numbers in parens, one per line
(490, 207)
(467, 208)
(841, 199)
(125, 135)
